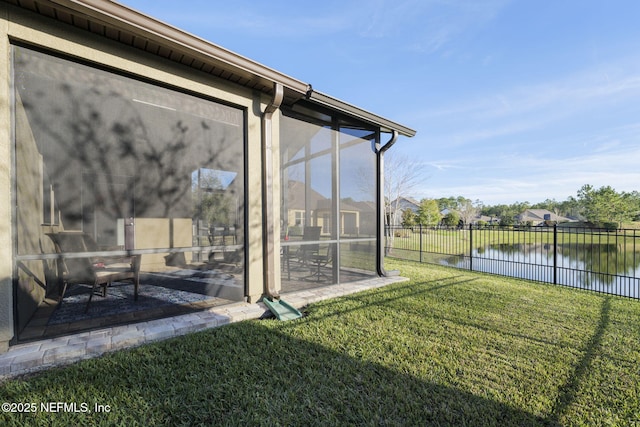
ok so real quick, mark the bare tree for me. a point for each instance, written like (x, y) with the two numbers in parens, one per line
(402, 174)
(467, 209)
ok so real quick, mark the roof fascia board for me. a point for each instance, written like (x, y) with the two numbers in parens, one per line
(351, 110)
(122, 17)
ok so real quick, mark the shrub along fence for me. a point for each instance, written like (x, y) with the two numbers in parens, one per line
(599, 260)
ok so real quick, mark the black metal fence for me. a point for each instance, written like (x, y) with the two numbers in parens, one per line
(605, 261)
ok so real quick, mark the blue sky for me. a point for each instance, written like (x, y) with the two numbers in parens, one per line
(511, 100)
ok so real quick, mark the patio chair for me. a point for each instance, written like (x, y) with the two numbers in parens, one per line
(223, 236)
(94, 271)
(318, 261)
(301, 255)
(309, 234)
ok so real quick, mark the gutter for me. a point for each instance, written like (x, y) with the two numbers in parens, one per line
(380, 210)
(351, 110)
(268, 207)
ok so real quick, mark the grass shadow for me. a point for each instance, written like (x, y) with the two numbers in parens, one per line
(399, 291)
(568, 392)
(250, 374)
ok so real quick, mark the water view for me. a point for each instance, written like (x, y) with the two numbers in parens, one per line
(607, 268)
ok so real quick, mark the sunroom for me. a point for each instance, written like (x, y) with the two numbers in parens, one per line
(151, 173)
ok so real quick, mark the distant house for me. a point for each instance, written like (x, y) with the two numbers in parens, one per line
(357, 218)
(302, 205)
(307, 207)
(491, 220)
(397, 206)
(483, 219)
(539, 216)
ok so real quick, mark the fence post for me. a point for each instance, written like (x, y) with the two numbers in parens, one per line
(470, 247)
(555, 254)
(420, 237)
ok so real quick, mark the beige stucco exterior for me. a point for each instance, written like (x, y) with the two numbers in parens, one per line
(109, 36)
(24, 27)
(6, 260)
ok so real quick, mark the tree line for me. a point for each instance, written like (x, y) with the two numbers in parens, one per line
(599, 207)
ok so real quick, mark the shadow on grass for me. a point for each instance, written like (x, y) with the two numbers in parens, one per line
(567, 392)
(250, 374)
(398, 291)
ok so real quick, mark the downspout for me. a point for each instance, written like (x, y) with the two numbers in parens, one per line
(269, 255)
(381, 211)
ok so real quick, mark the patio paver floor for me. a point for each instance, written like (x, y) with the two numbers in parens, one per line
(38, 355)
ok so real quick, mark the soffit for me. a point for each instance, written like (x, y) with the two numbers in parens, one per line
(119, 23)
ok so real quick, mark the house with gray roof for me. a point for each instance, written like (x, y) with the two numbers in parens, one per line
(540, 216)
(399, 205)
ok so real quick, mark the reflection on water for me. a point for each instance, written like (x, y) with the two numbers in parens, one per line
(605, 268)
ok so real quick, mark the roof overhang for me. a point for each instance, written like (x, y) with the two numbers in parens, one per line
(127, 26)
(386, 125)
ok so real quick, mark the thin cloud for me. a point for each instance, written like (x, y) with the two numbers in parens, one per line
(507, 178)
(554, 119)
(443, 23)
(275, 20)
(551, 99)
(432, 24)
(443, 166)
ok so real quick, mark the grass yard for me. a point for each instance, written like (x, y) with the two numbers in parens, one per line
(447, 348)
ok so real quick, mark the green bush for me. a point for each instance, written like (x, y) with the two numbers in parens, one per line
(451, 219)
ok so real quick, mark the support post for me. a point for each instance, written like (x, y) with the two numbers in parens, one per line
(420, 237)
(269, 255)
(471, 247)
(380, 205)
(555, 254)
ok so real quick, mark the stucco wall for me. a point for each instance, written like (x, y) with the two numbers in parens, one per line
(6, 260)
(23, 26)
(31, 276)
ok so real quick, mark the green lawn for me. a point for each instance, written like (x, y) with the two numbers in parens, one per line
(447, 348)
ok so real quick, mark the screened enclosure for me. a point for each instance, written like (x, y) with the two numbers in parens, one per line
(113, 169)
(328, 203)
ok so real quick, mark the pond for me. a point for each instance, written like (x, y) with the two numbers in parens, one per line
(608, 268)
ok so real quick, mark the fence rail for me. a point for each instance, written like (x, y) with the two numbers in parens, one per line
(599, 260)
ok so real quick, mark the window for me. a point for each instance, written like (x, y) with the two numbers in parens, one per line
(328, 177)
(95, 150)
